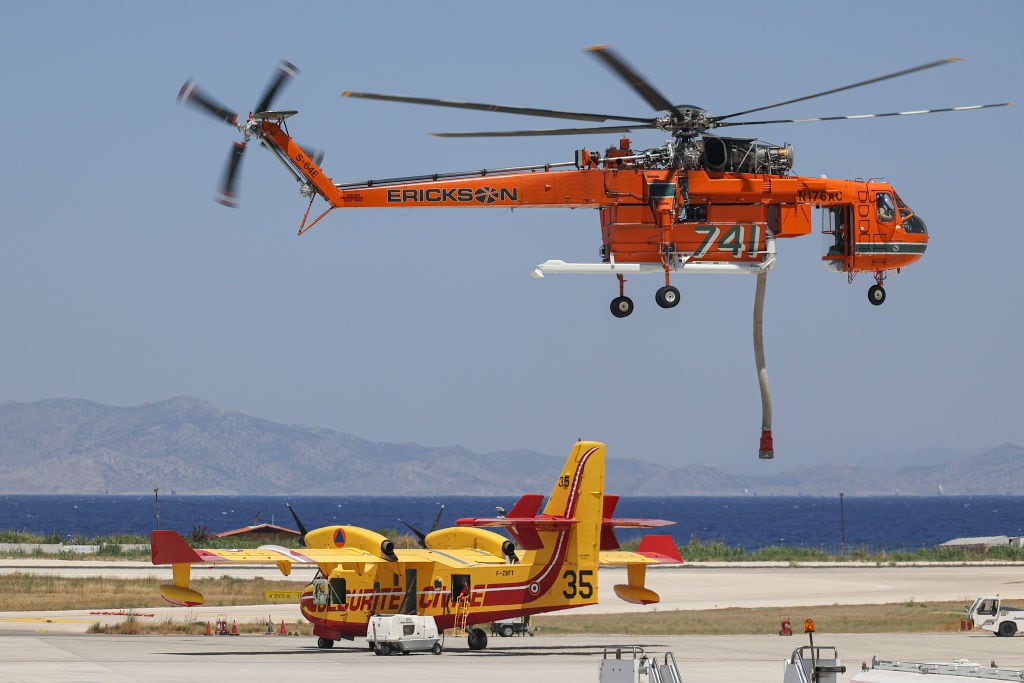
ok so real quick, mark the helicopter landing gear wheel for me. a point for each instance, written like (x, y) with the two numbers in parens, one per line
(667, 296)
(621, 306)
(876, 294)
(324, 643)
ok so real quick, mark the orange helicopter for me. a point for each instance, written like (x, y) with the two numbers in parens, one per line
(700, 203)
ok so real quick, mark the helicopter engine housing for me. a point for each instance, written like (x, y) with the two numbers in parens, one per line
(746, 155)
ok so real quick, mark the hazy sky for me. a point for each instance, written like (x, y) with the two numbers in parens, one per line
(124, 283)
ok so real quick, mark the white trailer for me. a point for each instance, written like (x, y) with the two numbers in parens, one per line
(402, 634)
(992, 614)
(814, 664)
(957, 671)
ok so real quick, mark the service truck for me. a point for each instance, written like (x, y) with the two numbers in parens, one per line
(992, 614)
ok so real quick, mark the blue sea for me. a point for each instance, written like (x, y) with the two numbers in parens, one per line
(878, 523)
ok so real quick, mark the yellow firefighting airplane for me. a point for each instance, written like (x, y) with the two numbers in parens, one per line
(360, 573)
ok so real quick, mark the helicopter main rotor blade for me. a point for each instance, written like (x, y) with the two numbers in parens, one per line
(863, 116)
(886, 77)
(285, 71)
(543, 131)
(190, 94)
(499, 108)
(647, 91)
(227, 196)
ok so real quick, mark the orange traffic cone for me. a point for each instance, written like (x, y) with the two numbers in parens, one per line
(234, 629)
(283, 631)
(208, 631)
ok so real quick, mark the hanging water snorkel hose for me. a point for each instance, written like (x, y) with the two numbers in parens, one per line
(766, 450)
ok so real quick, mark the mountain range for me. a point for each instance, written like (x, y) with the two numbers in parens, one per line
(75, 446)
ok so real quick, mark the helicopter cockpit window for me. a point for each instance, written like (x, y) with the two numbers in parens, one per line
(886, 208)
(913, 224)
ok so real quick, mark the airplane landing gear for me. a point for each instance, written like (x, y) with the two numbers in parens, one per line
(477, 639)
(667, 296)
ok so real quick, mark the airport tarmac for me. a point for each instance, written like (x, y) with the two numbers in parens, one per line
(565, 659)
(53, 646)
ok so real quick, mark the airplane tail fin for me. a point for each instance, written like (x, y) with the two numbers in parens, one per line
(575, 503)
(578, 498)
(578, 495)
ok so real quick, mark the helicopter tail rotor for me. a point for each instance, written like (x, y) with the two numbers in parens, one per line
(226, 196)
(191, 95)
(285, 71)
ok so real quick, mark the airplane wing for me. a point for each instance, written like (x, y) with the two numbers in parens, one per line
(451, 557)
(168, 547)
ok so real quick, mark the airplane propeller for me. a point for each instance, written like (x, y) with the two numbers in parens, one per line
(298, 523)
(684, 122)
(419, 534)
(190, 94)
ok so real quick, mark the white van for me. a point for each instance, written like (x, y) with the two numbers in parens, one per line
(403, 633)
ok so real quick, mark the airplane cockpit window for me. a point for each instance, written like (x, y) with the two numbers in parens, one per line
(886, 208)
(320, 592)
(338, 593)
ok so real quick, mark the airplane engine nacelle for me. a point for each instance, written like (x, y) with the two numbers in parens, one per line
(352, 537)
(746, 155)
(480, 539)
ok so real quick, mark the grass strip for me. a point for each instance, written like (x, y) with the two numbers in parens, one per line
(32, 592)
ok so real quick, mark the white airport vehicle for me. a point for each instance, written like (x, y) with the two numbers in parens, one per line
(992, 614)
(402, 634)
(510, 627)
